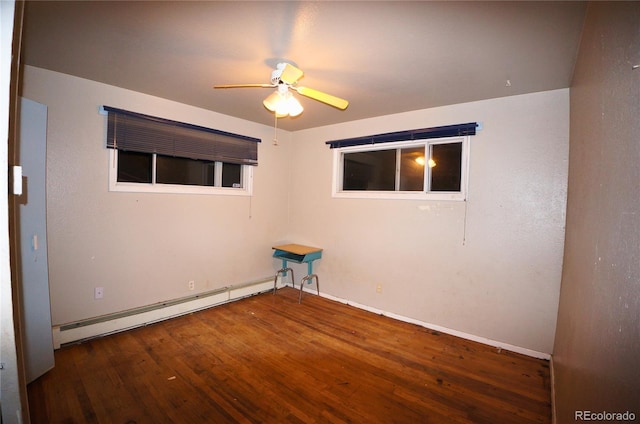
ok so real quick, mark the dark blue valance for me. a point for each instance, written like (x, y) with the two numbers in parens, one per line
(137, 132)
(419, 134)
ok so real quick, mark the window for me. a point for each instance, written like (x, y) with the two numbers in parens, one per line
(158, 155)
(150, 172)
(424, 164)
(419, 169)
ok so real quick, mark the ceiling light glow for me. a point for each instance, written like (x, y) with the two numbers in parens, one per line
(282, 103)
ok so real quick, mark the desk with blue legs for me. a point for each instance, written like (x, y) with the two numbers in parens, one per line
(299, 254)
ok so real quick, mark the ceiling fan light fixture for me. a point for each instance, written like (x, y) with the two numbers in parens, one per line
(294, 106)
(283, 104)
(272, 101)
(282, 109)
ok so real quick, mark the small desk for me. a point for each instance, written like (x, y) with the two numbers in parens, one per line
(299, 254)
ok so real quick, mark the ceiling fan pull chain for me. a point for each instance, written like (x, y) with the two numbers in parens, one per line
(275, 129)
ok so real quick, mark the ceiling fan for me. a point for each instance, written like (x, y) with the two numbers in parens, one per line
(285, 78)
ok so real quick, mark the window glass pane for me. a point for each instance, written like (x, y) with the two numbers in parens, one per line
(172, 170)
(375, 170)
(412, 169)
(231, 175)
(134, 167)
(445, 164)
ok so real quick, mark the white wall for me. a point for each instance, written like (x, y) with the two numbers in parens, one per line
(144, 248)
(503, 282)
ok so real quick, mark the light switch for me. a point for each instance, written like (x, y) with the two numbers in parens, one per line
(17, 180)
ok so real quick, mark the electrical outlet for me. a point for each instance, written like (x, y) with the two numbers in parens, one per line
(379, 288)
(98, 292)
(192, 285)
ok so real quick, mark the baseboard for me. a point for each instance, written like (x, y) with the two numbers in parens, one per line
(113, 323)
(467, 336)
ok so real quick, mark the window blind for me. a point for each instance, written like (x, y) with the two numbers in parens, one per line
(149, 134)
(418, 134)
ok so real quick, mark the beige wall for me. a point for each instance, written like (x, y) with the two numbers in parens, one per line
(489, 267)
(144, 248)
(597, 349)
(501, 284)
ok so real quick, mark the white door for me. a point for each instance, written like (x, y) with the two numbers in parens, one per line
(32, 224)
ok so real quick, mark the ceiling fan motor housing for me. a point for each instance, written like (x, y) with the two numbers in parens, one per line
(277, 73)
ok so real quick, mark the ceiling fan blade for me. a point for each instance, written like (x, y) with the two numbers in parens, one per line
(245, 86)
(334, 101)
(290, 74)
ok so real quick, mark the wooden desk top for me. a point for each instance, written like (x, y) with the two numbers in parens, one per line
(297, 249)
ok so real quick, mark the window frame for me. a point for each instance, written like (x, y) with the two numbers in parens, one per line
(154, 187)
(338, 171)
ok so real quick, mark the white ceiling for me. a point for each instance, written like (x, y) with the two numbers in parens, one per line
(384, 57)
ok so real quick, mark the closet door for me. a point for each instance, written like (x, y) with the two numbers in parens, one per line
(32, 224)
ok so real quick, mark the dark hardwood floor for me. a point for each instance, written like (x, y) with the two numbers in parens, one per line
(268, 359)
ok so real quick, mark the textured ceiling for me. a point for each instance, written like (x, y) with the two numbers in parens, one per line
(384, 57)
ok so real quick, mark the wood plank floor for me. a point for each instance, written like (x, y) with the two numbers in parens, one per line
(268, 359)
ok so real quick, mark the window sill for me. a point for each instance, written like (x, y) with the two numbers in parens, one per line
(177, 189)
(396, 195)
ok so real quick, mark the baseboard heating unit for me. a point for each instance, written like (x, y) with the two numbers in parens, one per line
(78, 331)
